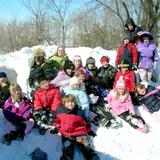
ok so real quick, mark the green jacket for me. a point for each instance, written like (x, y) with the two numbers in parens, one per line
(58, 62)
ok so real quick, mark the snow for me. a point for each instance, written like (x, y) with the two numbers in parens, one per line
(111, 144)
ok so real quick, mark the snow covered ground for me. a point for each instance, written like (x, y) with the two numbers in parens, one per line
(124, 143)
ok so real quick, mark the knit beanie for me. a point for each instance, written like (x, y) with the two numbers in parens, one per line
(90, 60)
(38, 53)
(104, 59)
(74, 80)
(124, 63)
(77, 58)
(120, 84)
(3, 75)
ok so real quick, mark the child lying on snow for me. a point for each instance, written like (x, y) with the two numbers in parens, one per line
(121, 105)
(18, 111)
(148, 96)
(70, 123)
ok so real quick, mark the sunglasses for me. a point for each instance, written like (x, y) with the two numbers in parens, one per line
(39, 58)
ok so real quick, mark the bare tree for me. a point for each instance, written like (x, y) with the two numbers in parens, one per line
(38, 10)
(59, 10)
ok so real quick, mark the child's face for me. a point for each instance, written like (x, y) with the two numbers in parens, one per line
(124, 69)
(77, 63)
(81, 78)
(44, 84)
(69, 104)
(130, 27)
(105, 64)
(120, 91)
(126, 41)
(60, 52)
(69, 71)
(146, 40)
(39, 60)
(90, 66)
(75, 86)
(141, 91)
(18, 92)
(3, 80)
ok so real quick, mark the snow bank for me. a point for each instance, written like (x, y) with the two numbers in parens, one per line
(124, 143)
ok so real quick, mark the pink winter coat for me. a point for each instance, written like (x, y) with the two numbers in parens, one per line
(118, 105)
(61, 80)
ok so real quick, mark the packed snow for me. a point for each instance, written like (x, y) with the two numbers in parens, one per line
(124, 143)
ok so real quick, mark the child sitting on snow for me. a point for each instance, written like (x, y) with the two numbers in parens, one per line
(91, 69)
(121, 105)
(106, 74)
(18, 111)
(4, 88)
(77, 61)
(127, 74)
(70, 123)
(76, 89)
(47, 99)
(63, 77)
(59, 58)
(149, 96)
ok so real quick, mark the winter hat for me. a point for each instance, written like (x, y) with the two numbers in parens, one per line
(120, 84)
(3, 75)
(90, 60)
(145, 34)
(38, 53)
(74, 80)
(77, 58)
(124, 63)
(104, 59)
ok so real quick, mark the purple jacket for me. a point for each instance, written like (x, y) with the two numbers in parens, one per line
(61, 80)
(147, 55)
(22, 109)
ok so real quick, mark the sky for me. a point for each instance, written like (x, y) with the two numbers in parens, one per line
(16, 8)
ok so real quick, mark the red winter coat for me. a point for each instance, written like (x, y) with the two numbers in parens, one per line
(71, 124)
(128, 52)
(47, 98)
(129, 78)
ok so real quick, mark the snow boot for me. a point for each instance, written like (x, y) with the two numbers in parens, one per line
(68, 149)
(9, 137)
(88, 152)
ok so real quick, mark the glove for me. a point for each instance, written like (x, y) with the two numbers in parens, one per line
(54, 130)
(134, 67)
(91, 133)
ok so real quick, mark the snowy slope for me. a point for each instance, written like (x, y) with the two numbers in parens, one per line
(124, 143)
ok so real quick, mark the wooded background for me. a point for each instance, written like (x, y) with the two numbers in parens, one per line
(98, 23)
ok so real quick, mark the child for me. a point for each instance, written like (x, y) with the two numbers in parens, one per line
(77, 61)
(127, 51)
(128, 76)
(148, 56)
(47, 99)
(40, 66)
(82, 100)
(70, 123)
(4, 88)
(63, 77)
(59, 58)
(18, 111)
(149, 96)
(91, 68)
(106, 74)
(121, 105)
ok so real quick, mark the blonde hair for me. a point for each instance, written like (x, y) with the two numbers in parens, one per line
(68, 98)
(13, 87)
(117, 95)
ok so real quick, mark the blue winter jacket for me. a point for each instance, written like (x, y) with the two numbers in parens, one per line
(81, 99)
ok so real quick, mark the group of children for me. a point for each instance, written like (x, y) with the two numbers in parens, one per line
(64, 93)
